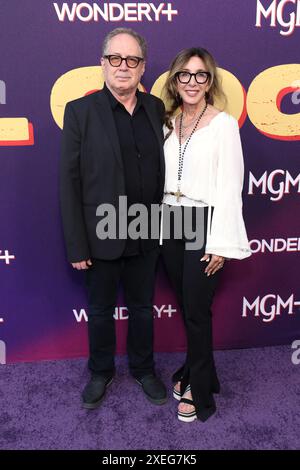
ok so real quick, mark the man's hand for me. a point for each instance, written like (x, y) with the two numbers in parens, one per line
(82, 264)
(215, 263)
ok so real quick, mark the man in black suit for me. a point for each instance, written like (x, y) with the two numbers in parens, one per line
(113, 146)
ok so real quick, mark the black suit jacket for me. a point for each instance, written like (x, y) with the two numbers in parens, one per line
(92, 173)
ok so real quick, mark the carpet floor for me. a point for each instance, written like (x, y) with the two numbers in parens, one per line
(258, 407)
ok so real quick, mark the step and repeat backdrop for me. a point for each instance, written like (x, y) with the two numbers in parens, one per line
(50, 54)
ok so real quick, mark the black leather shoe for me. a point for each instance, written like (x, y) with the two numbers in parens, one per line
(154, 389)
(94, 391)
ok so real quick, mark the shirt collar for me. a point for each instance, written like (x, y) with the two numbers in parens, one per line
(114, 102)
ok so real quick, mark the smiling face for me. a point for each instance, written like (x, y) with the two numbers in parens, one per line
(193, 93)
(123, 79)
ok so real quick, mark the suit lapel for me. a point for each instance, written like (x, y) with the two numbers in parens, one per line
(153, 118)
(108, 122)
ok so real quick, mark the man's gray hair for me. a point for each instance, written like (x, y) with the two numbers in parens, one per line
(140, 40)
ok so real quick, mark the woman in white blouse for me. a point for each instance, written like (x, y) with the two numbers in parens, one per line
(204, 172)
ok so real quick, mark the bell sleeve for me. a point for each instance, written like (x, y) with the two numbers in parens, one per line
(227, 235)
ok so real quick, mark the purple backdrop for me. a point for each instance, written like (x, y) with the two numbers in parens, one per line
(42, 299)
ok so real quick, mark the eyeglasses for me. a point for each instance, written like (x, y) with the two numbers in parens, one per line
(116, 60)
(200, 77)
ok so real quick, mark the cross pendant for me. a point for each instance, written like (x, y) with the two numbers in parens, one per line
(178, 195)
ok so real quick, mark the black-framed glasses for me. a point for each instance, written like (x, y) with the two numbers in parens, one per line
(116, 60)
(200, 77)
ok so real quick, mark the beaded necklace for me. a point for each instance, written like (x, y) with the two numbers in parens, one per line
(178, 193)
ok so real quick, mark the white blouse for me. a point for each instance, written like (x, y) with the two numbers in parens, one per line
(212, 175)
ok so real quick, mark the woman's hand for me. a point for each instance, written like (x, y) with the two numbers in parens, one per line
(215, 263)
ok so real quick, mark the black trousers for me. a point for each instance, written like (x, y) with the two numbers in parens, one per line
(195, 291)
(137, 274)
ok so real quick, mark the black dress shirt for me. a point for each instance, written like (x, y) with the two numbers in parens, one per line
(140, 153)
